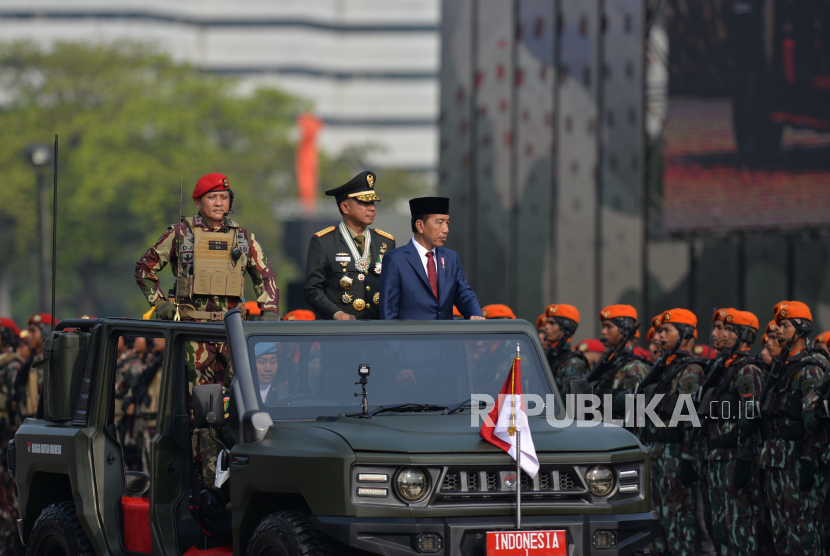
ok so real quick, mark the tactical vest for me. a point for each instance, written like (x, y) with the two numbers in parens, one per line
(666, 406)
(777, 402)
(603, 385)
(206, 261)
(720, 395)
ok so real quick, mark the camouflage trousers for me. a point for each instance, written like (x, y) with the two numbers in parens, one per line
(9, 513)
(207, 363)
(735, 513)
(131, 435)
(795, 516)
(675, 505)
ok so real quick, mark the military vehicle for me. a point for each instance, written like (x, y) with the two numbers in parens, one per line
(313, 468)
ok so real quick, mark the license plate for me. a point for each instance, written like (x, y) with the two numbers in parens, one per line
(527, 543)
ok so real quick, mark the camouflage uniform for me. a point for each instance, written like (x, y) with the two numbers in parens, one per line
(628, 370)
(788, 453)
(814, 403)
(10, 365)
(735, 510)
(130, 427)
(566, 365)
(670, 447)
(207, 362)
(166, 250)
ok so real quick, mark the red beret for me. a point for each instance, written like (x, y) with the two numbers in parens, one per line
(594, 346)
(40, 318)
(210, 182)
(6, 322)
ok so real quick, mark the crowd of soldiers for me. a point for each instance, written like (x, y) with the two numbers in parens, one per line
(753, 477)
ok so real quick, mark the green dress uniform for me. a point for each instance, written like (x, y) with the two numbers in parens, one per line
(342, 274)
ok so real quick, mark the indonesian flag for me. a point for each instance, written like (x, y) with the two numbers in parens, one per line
(508, 415)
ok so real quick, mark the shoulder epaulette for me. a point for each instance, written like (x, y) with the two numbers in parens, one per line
(325, 231)
(387, 235)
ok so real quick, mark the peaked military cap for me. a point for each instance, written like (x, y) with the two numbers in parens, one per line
(360, 187)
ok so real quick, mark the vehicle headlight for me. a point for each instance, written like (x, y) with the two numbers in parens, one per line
(411, 484)
(600, 480)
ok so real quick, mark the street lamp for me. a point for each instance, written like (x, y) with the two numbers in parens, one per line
(39, 156)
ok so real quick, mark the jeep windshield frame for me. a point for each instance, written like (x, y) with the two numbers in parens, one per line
(306, 376)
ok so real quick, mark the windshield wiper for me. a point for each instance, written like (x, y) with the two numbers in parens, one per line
(406, 407)
(453, 408)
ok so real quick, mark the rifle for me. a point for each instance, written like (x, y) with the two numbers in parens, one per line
(138, 393)
(661, 363)
(715, 372)
(777, 364)
(599, 367)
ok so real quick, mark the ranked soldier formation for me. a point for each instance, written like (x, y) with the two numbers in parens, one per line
(751, 479)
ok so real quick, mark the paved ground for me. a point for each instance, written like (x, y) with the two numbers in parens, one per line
(705, 186)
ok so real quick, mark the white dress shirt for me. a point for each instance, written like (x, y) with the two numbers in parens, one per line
(422, 252)
(263, 391)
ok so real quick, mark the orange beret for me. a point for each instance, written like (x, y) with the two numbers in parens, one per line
(793, 310)
(719, 315)
(541, 320)
(456, 312)
(741, 318)
(252, 307)
(497, 311)
(616, 311)
(823, 337)
(210, 182)
(650, 334)
(299, 314)
(6, 322)
(777, 307)
(764, 339)
(679, 316)
(594, 346)
(771, 327)
(657, 321)
(563, 310)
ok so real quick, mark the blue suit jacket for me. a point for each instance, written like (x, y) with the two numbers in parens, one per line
(405, 292)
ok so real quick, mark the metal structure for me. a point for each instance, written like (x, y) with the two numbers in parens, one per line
(542, 149)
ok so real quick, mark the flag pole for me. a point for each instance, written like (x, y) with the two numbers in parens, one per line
(518, 458)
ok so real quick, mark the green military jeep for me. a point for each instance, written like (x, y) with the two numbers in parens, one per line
(312, 469)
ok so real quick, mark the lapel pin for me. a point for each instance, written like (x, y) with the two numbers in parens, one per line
(442, 262)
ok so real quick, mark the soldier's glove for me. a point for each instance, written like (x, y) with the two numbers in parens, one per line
(806, 475)
(742, 473)
(688, 474)
(811, 421)
(269, 315)
(166, 310)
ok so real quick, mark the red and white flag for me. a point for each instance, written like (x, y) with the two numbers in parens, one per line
(507, 418)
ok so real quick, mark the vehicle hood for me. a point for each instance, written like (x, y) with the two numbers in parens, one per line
(434, 433)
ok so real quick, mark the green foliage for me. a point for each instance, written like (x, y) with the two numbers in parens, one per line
(130, 123)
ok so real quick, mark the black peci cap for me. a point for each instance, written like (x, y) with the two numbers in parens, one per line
(429, 205)
(360, 187)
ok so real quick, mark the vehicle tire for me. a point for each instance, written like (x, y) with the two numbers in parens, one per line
(291, 534)
(57, 532)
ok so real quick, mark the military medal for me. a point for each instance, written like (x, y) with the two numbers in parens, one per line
(378, 263)
(376, 298)
(361, 262)
(361, 277)
(346, 298)
(346, 283)
(359, 304)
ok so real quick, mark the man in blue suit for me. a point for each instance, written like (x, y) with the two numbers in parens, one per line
(422, 280)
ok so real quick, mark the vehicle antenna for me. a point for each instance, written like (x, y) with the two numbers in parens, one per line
(178, 315)
(54, 231)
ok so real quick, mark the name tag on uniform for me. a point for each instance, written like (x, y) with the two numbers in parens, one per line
(342, 259)
(217, 245)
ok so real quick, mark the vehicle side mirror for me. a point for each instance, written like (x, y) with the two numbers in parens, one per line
(208, 406)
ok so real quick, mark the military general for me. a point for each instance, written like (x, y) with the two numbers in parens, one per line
(342, 279)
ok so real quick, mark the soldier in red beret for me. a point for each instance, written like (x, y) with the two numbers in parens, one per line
(210, 255)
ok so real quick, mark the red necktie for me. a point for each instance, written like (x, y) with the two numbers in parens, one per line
(431, 274)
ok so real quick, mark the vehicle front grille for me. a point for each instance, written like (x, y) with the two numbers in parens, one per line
(450, 482)
(475, 485)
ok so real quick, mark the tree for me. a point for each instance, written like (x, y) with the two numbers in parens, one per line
(130, 121)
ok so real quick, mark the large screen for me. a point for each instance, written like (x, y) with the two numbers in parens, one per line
(747, 136)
